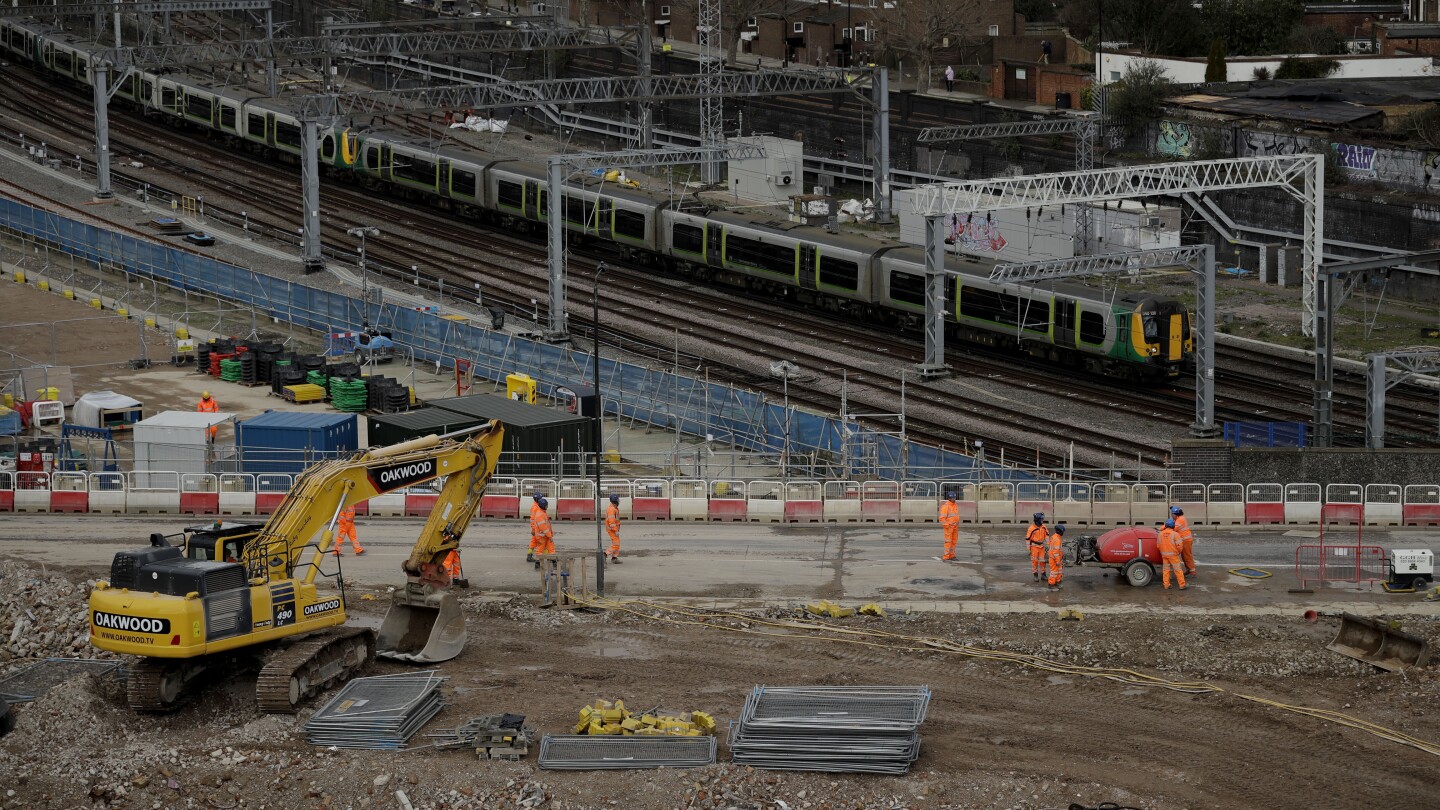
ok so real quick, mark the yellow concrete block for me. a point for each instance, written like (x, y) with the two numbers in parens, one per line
(150, 323)
(69, 294)
(44, 285)
(95, 303)
(123, 312)
(703, 721)
(631, 725)
(19, 276)
(182, 333)
(648, 719)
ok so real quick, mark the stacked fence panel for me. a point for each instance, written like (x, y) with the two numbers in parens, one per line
(862, 729)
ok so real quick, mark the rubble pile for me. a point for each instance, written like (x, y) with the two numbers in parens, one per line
(42, 615)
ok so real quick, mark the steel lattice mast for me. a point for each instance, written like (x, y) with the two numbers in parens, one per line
(712, 65)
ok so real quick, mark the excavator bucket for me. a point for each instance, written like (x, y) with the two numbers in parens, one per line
(423, 626)
(1375, 641)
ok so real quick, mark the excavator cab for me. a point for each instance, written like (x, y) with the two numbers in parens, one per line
(224, 542)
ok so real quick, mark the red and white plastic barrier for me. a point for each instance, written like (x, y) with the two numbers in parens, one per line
(994, 502)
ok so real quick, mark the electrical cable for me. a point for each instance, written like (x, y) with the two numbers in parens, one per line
(700, 618)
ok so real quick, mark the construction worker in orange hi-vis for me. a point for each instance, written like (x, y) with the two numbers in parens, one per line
(1053, 554)
(950, 521)
(209, 405)
(1035, 537)
(345, 529)
(451, 564)
(542, 537)
(1168, 544)
(1187, 540)
(612, 527)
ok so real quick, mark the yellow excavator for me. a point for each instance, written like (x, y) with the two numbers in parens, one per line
(238, 596)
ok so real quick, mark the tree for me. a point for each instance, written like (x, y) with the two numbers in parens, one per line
(1215, 66)
(1168, 27)
(1293, 68)
(735, 13)
(1136, 99)
(1319, 39)
(1037, 10)
(1252, 27)
(914, 30)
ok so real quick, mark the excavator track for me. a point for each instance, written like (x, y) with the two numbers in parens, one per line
(158, 685)
(308, 667)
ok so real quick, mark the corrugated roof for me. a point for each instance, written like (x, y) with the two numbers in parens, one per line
(424, 419)
(508, 411)
(1396, 30)
(1333, 113)
(297, 419)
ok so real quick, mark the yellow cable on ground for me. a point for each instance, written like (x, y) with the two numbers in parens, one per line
(845, 635)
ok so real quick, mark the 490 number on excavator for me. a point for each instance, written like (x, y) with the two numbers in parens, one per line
(244, 596)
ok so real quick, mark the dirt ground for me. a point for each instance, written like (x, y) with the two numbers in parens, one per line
(999, 733)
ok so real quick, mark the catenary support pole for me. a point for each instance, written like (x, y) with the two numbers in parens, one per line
(1375, 402)
(597, 432)
(880, 99)
(101, 73)
(1204, 426)
(559, 328)
(935, 283)
(314, 260)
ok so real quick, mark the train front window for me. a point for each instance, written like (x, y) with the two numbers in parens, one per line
(1151, 325)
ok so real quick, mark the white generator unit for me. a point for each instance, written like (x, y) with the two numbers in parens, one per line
(1411, 567)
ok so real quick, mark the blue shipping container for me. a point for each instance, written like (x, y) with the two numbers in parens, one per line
(289, 441)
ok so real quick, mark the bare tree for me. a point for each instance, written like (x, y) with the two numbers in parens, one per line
(914, 30)
(733, 16)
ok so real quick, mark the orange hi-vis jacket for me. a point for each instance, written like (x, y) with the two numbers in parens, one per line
(540, 531)
(1182, 529)
(1168, 543)
(1036, 535)
(950, 515)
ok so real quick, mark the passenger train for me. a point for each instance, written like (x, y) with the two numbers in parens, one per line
(1069, 325)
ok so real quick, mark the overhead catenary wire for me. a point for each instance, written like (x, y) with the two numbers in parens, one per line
(900, 642)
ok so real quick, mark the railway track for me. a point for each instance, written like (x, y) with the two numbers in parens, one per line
(875, 389)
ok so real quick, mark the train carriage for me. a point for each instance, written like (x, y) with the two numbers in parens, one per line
(594, 206)
(882, 281)
(267, 123)
(775, 257)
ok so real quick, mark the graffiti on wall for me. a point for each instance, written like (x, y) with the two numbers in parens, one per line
(976, 235)
(1355, 160)
(1266, 144)
(1175, 140)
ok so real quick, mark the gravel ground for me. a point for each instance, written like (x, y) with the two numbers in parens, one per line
(999, 734)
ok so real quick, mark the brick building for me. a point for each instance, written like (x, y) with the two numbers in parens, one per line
(820, 32)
